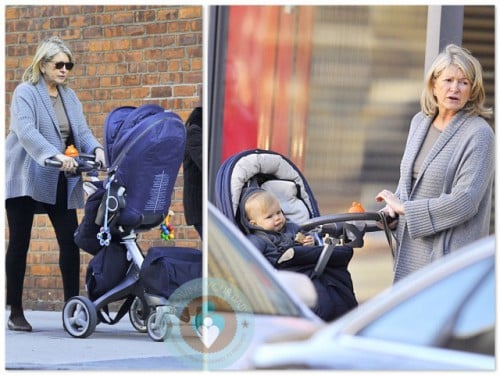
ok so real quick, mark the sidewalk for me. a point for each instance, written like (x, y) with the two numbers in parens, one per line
(110, 347)
(120, 347)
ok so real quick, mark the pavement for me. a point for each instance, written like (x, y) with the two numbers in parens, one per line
(121, 347)
(109, 347)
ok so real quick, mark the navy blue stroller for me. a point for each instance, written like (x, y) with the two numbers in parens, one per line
(144, 148)
(336, 235)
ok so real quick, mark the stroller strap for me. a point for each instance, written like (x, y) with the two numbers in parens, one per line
(104, 316)
(388, 232)
(326, 253)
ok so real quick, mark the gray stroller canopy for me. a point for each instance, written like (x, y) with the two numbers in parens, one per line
(286, 185)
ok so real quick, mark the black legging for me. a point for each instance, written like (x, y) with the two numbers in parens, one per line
(20, 213)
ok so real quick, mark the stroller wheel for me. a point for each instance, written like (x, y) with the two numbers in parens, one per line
(138, 315)
(158, 326)
(79, 317)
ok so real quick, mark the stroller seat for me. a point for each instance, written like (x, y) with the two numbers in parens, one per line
(327, 263)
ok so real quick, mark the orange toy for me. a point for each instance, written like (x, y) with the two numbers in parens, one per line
(71, 151)
(356, 207)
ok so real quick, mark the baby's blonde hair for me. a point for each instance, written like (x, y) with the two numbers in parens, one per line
(258, 200)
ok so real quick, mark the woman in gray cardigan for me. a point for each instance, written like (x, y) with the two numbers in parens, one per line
(46, 117)
(443, 198)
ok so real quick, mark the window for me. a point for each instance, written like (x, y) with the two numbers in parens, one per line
(455, 312)
(231, 259)
(474, 330)
(331, 87)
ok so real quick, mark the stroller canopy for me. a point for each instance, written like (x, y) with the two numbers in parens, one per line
(122, 123)
(144, 149)
(271, 171)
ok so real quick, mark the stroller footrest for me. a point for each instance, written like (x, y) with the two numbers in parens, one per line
(326, 253)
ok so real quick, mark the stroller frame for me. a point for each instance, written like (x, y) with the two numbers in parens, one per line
(81, 315)
(145, 134)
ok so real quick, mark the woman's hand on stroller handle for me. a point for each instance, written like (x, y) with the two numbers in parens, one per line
(350, 227)
(65, 163)
(68, 164)
(99, 157)
(387, 221)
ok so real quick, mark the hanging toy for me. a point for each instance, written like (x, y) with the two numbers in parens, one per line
(71, 151)
(167, 230)
(356, 207)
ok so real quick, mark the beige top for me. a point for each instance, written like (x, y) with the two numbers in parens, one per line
(62, 118)
(431, 138)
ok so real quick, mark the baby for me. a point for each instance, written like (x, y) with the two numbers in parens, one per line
(263, 210)
(282, 244)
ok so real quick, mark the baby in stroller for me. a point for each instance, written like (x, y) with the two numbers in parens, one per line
(240, 191)
(285, 247)
(144, 147)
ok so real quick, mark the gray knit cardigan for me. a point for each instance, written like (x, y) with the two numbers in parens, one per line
(450, 204)
(34, 136)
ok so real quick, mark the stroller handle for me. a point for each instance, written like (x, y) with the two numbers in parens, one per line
(338, 224)
(86, 163)
(340, 218)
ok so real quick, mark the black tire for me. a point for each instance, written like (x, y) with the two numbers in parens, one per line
(137, 315)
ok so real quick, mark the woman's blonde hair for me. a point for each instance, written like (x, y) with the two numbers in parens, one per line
(45, 52)
(470, 66)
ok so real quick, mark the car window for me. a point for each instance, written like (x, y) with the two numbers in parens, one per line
(474, 330)
(423, 318)
(231, 259)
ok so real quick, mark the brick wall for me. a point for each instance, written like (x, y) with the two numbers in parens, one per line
(124, 55)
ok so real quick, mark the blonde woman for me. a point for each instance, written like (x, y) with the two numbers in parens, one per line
(443, 198)
(46, 116)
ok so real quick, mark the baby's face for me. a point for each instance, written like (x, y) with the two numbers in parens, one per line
(269, 217)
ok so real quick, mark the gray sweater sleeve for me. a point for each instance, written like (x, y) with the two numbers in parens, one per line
(466, 178)
(26, 119)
